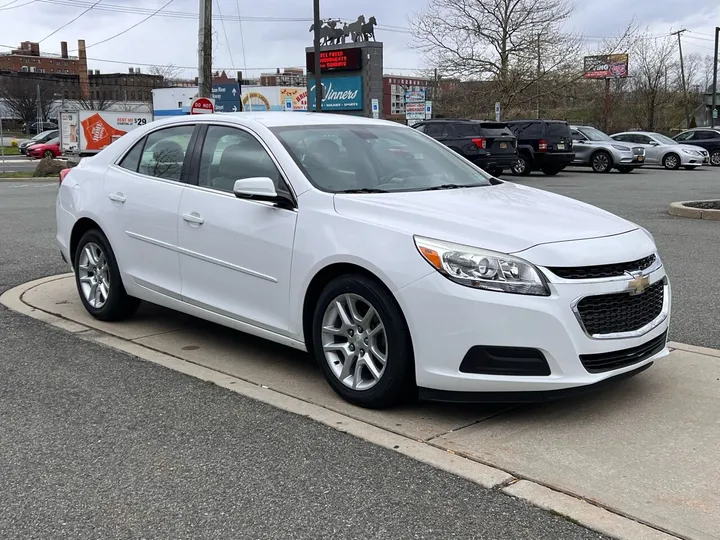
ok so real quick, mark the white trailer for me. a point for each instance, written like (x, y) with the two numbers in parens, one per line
(87, 132)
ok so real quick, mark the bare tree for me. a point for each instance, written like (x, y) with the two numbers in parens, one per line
(22, 98)
(169, 72)
(91, 104)
(654, 67)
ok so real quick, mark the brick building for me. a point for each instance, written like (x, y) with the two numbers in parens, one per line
(131, 86)
(286, 77)
(48, 66)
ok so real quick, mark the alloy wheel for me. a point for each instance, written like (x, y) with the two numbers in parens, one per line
(94, 275)
(354, 341)
(671, 162)
(715, 158)
(601, 162)
(519, 166)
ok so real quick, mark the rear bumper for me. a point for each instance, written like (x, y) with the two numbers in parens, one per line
(495, 161)
(559, 159)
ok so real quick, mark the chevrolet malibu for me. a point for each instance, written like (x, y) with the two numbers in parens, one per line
(400, 266)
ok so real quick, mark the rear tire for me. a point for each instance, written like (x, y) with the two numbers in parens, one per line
(715, 158)
(521, 167)
(98, 280)
(342, 340)
(601, 162)
(625, 170)
(671, 161)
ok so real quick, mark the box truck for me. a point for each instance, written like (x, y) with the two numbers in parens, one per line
(87, 132)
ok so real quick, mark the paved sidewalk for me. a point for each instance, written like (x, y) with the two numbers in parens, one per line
(645, 448)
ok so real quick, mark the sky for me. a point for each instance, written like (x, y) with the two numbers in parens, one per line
(258, 45)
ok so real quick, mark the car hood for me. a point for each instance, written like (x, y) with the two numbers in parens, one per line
(691, 147)
(505, 218)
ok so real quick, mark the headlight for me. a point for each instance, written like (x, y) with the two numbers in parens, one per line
(482, 269)
(691, 152)
(621, 148)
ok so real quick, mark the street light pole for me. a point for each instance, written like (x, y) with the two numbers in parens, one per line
(316, 46)
(714, 86)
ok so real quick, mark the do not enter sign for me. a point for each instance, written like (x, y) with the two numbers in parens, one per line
(202, 105)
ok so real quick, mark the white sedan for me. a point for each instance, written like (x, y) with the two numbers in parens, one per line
(662, 150)
(403, 268)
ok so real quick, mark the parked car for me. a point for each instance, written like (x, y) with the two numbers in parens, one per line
(38, 139)
(662, 150)
(598, 150)
(489, 145)
(706, 138)
(49, 149)
(39, 127)
(544, 145)
(425, 276)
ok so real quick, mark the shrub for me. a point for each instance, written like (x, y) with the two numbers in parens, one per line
(14, 143)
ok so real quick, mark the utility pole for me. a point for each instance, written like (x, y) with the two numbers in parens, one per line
(682, 74)
(537, 81)
(316, 46)
(436, 89)
(714, 88)
(38, 106)
(205, 48)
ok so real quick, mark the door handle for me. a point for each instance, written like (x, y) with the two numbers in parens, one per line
(193, 218)
(117, 197)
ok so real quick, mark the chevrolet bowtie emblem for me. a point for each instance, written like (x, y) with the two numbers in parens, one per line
(638, 284)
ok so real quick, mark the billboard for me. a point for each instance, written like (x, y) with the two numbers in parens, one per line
(415, 96)
(341, 94)
(349, 59)
(608, 66)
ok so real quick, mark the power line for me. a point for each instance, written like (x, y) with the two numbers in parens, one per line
(15, 7)
(129, 28)
(242, 38)
(9, 3)
(70, 21)
(227, 42)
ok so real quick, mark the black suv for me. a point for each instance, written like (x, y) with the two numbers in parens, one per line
(544, 145)
(489, 145)
(707, 138)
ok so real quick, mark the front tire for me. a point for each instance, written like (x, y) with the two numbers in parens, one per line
(521, 167)
(550, 171)
(362, 343)
(601, 162)
(671, 162)
(49, 154)
(98, 280)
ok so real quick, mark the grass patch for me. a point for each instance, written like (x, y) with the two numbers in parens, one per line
(11, 151)
(16, 174)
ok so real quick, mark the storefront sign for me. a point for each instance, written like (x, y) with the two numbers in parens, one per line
(341, 94)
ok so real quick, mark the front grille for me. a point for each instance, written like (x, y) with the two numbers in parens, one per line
(603, 270)
(621, 312)
(599, 363)
(638, 151)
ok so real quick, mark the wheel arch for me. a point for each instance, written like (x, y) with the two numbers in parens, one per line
(81, 226)
(320, 280)
(604, 151)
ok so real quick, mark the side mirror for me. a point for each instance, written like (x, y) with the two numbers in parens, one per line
(260, 188)
(654, 143)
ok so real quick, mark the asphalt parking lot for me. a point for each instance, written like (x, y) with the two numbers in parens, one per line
(689, 247)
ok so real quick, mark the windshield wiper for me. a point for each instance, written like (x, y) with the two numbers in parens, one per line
(363, 190)
(445, 186)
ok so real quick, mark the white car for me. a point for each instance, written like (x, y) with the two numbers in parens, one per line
(402, 267)
(662, 150)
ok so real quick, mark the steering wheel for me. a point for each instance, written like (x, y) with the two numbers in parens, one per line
(400, 173)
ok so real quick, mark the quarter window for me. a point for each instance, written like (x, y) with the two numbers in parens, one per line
(231, 154)
(132, 158)
(164, 152)
(435, 130)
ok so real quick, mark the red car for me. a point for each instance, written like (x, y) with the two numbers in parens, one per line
(49, 149)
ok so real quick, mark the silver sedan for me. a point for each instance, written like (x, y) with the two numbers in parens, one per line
(662, 150)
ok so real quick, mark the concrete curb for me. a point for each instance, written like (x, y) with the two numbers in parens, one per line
(679, 209)
(584, 512)
(29, 179)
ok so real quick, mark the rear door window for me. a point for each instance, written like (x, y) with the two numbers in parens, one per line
(703, 135)
(557, 130)
(528, 130)
(436, 130)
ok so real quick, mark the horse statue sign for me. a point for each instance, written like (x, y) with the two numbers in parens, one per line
(358, 31)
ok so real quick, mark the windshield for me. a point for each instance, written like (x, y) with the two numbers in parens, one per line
(341, 158)
(662, 138)
(594, 134)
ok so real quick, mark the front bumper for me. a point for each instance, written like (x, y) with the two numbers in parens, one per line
(690, 160)
(446, 320)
